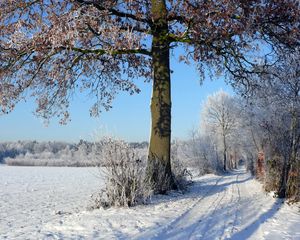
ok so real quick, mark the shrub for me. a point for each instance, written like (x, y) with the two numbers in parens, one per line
(124, 171)
(181, 174)
(124, 176)
(274, 168)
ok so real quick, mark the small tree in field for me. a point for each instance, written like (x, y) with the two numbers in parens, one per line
(50, 49)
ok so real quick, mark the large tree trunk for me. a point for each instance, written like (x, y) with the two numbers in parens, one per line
(158, 172)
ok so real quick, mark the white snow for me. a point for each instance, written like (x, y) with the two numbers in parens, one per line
(52, 203)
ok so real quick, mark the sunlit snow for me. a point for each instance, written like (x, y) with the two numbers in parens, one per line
(53, 203)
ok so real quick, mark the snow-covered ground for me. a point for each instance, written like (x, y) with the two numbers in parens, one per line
(52, 203)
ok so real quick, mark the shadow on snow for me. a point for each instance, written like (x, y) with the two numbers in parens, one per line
(205, 227)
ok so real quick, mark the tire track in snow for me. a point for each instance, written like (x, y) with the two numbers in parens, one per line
(233, 206)
(208, 229)
(158, 233)
(214, 215)
(226, 219)
(195, 233)
(237, 207)
(190, 211)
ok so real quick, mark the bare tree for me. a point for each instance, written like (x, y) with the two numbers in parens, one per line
(50, 49)
(219, 117)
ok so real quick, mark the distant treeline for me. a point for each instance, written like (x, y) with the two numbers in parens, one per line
(54, 153)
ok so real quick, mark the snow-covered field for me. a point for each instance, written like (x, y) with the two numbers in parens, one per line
(52, 203)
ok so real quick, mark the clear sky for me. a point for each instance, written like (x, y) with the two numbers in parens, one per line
(129, 118)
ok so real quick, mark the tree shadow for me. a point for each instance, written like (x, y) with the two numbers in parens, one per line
(210, 227)
(206, 226)
(253, 226)
(196, 190)
(200, 189)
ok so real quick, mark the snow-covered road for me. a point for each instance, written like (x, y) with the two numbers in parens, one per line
(211, 216)
(233, 207)
(51, 203)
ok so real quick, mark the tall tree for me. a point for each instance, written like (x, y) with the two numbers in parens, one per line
(220, 118)
(50, 48)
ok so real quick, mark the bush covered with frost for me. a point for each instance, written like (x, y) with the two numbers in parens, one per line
(124, 170)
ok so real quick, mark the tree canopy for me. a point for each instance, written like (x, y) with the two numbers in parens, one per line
(53, 47)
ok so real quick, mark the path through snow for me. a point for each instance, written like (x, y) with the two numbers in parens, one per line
(233, 207)
(50, 203)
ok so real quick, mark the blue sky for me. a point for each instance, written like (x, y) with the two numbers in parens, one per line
(129, 118)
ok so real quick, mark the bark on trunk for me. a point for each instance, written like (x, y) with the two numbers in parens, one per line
(158, 172)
